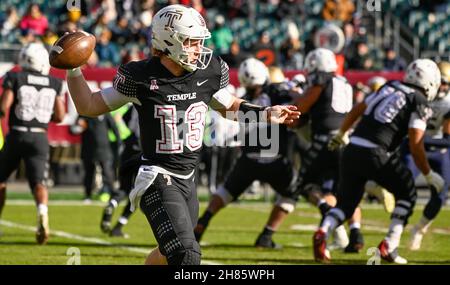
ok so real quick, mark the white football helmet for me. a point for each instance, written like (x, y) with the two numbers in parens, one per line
(34, 57)
(320, 59)
(425, 74)
(173, 29)
(253, 72)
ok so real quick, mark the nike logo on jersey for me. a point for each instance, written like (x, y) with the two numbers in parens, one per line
(201, 83)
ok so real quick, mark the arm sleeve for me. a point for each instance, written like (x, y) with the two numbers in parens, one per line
(222, 99)
(115, 99)
(417, 122)
(224, 74)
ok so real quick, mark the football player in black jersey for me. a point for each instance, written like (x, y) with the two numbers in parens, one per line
(437, 144)
(274, 168)
(397, 110)
(171, 92)
(327, 99)
(33, 98)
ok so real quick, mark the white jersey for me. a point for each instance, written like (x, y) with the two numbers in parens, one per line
(441, 111)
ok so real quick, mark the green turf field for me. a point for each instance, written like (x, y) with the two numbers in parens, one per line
(229, 239)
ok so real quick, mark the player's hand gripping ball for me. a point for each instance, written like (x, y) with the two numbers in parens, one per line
(72, 50)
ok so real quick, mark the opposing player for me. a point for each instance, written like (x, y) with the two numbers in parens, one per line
(388, 116)
(437, 143)
(274, 168)
(34, 99)
(171, 92)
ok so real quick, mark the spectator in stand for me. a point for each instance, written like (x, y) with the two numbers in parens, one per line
(49, 38)
(67, 26)
(349, 49)
(28, 37)
(235, 56)
(290, 55)
(309, 43)
(108, 53)
(289, 9)
(341, 10)
(264, 50)
(100, 24)
(107, 8)
(361, 60)
(238, 8)
(129, 8)
(10, 23)
(392, 62)
(34, 21)
(121, 33)
(221, 36)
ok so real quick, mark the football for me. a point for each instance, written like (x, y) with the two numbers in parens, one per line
(72, 50)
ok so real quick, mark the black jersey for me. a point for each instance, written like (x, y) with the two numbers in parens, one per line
(334, 102)
(262, 136)
(95, 144)
(390, 113)
(172, 109)
(34, 98)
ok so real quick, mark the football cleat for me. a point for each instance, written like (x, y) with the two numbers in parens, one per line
(340, 239)
(105, 224)
(356, 242)
(415, 241)
(265, 241)
(43, 229)
(393, 256)
(117, 232)
(321, 253)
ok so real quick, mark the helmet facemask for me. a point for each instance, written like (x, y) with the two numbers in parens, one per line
(193, 54)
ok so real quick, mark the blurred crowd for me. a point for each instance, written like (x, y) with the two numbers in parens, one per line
(123, 30)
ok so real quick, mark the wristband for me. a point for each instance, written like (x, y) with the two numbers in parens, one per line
(75, 72)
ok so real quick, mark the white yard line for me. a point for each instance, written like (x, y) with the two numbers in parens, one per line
(56, 203)
(86, 239)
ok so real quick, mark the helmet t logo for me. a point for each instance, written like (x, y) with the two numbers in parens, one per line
(172, 16)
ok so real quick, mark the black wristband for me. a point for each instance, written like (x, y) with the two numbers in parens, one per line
(250, 112)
